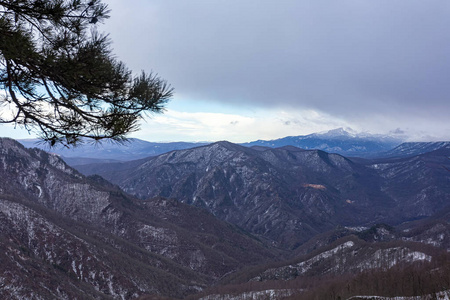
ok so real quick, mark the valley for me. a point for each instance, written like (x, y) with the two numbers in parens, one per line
(226, 221)
(265, 190)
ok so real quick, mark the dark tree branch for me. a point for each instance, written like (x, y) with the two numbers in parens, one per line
(61, 77)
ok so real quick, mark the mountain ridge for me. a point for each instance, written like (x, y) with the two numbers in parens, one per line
(415, 148)
(265, 190)
(106, 242)
(339, 140)
(83, 237)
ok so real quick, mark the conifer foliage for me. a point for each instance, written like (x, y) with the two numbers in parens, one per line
(60, 79)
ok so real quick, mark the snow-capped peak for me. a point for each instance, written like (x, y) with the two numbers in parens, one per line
(338, 132)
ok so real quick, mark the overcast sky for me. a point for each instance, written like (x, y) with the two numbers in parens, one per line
(256, 69)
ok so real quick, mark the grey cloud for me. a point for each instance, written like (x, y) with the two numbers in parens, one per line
(347, 58)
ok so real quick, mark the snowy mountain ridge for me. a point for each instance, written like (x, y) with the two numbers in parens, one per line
(343, 141)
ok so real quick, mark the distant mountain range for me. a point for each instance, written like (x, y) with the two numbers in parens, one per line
(344, 142)
(341, 141)
(110, 151)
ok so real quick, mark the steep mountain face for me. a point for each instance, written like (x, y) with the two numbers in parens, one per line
(420, 184)
(87, 239)
(341, 141)
(263, 192)
(44, 259)
(288, 195)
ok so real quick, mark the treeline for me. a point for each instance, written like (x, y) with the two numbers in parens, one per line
(413, 280)
(416, 279)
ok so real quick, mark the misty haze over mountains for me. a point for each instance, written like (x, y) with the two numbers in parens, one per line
(342, 141)
(344, 215)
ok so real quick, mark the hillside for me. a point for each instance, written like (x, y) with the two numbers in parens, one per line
(86, 239)
(310, 225)
(408, 262)
(288, 195)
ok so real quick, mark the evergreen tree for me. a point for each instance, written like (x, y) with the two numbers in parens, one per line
(60, 79)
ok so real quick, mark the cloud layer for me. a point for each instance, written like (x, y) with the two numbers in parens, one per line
(360, 61)
(213, 126)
